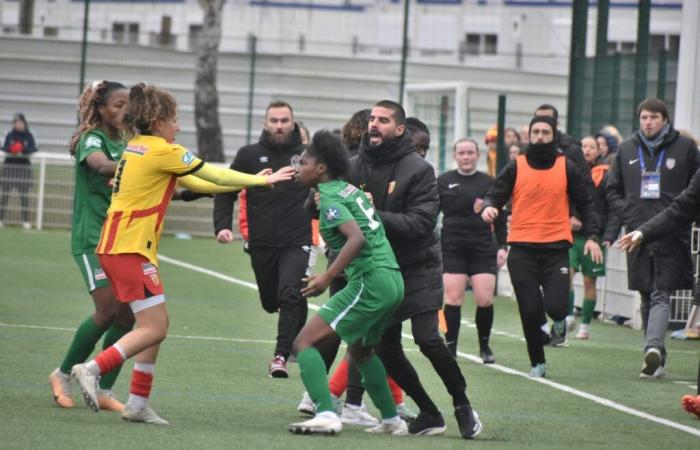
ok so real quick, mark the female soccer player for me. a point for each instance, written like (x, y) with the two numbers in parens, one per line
(469, 250)
(150, 168)
(360, 312)
(97, 144)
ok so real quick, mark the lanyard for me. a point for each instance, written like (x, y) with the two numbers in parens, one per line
(641, 159)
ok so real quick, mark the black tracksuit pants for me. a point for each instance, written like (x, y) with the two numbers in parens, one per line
(278, 273)
(540, 279)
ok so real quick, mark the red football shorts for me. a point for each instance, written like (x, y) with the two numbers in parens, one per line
(133, 276)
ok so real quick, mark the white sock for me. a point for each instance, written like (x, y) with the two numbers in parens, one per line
(93, 368)
(330, 414)
(392, 420)
(145, 367)
(137, 402)
(121, 351)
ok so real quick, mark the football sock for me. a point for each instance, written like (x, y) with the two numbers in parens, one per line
(484, 322)
(339, 379)
(453, 315)
(374, 380)
(107, 360)
(114, 333)
(396, 391)
(313, 375)
(84, 340)
(572, 298)
(141, 383)
(559, 327)
(587, 310)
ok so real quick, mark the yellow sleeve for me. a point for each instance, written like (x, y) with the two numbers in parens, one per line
(176, 159)
(195, 184)
(228, 177)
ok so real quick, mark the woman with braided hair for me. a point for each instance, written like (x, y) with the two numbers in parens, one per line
(97, 144)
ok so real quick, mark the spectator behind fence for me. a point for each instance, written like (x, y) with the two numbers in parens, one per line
(16, 173)
(652, 168)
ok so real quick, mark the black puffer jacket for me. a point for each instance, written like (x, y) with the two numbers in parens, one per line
(276, 217)
(405, 195)
(665, 264)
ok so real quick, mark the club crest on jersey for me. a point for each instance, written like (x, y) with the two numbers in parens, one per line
(264, 159)
(99, 274)
(670, 163)
(332, 214)
(149, 268)
(93, 141)
(187, 158)
(392, 185)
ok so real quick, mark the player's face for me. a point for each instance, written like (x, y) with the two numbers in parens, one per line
(651, 123)
(279, 122)
(466, 156)
(511, 137)
(422, 142)
(590, 149)
(541, 133)
(168, 129)
(308, 170)
(382, 126)
(112, 112)
(602, 145)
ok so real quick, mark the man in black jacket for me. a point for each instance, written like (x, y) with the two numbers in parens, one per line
(403, 188)
(280, 230)
(650, 170)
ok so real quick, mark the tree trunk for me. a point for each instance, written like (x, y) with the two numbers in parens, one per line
(206, 96)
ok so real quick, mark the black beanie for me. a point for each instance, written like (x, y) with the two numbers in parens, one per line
(551, 121)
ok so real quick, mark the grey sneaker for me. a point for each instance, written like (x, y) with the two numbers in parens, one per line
(145, 415)
(88, 385)
(538, 371)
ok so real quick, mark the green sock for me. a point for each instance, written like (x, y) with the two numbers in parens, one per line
(374, 381)
(572, 298)
(313, 375)
(114, 333)
(86, 336)
(588, 308)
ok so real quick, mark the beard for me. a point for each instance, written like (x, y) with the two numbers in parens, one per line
(280, 139)
(374, 133)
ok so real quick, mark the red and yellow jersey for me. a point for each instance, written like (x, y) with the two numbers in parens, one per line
(143, 185)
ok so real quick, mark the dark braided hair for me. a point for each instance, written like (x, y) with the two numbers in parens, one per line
(95, 95)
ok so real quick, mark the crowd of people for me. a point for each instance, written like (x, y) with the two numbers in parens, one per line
(550, 212)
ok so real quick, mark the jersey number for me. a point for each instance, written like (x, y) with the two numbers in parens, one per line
(369, 213)
(118, 176)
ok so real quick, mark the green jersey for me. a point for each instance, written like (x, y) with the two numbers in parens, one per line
(342, 202)
(93, 192)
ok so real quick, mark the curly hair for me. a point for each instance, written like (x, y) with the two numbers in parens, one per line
(355, 128)
(327, 149)
(147, 105)
(95, 95)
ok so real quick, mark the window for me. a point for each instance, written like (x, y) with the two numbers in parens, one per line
(490, 44)
(125, 32)
(481, 44)
(473, 41)
(195, 33)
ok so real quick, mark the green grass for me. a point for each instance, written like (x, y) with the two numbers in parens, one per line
(216, 393)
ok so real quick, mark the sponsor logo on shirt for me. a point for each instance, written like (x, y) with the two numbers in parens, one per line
(332, 213)
(138, 149)
(452, 185)
(264, 159)
(100, 274)
(349, 189)
(670, 163)
(187, 158)
(564, 270)
(93, 141)
(632, 161)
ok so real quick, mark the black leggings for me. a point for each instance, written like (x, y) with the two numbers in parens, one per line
(540, 279)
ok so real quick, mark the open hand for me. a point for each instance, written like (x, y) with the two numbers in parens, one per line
(315, 285)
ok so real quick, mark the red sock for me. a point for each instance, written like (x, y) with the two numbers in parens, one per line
(339, 380)
(141, 383)
(396, 391)
(109, 359)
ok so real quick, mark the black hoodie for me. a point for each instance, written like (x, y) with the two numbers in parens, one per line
(276, 217)
(405, 195)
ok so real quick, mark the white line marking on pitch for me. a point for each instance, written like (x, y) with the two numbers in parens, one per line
(476, 359)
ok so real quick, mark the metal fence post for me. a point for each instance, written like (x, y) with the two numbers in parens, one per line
(444, 106)
(252, 49)
(40, 195)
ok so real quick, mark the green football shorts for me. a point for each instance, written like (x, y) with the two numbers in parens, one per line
(92, 272)
(583, 263)
(364, 308)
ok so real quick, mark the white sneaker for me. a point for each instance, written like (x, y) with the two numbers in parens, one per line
(306, 405)
(324, 423)
(145, 415)
(26, 225)
(357, 415)
(88, 385)
(652, 364)
(395, 427)
(571, 324)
